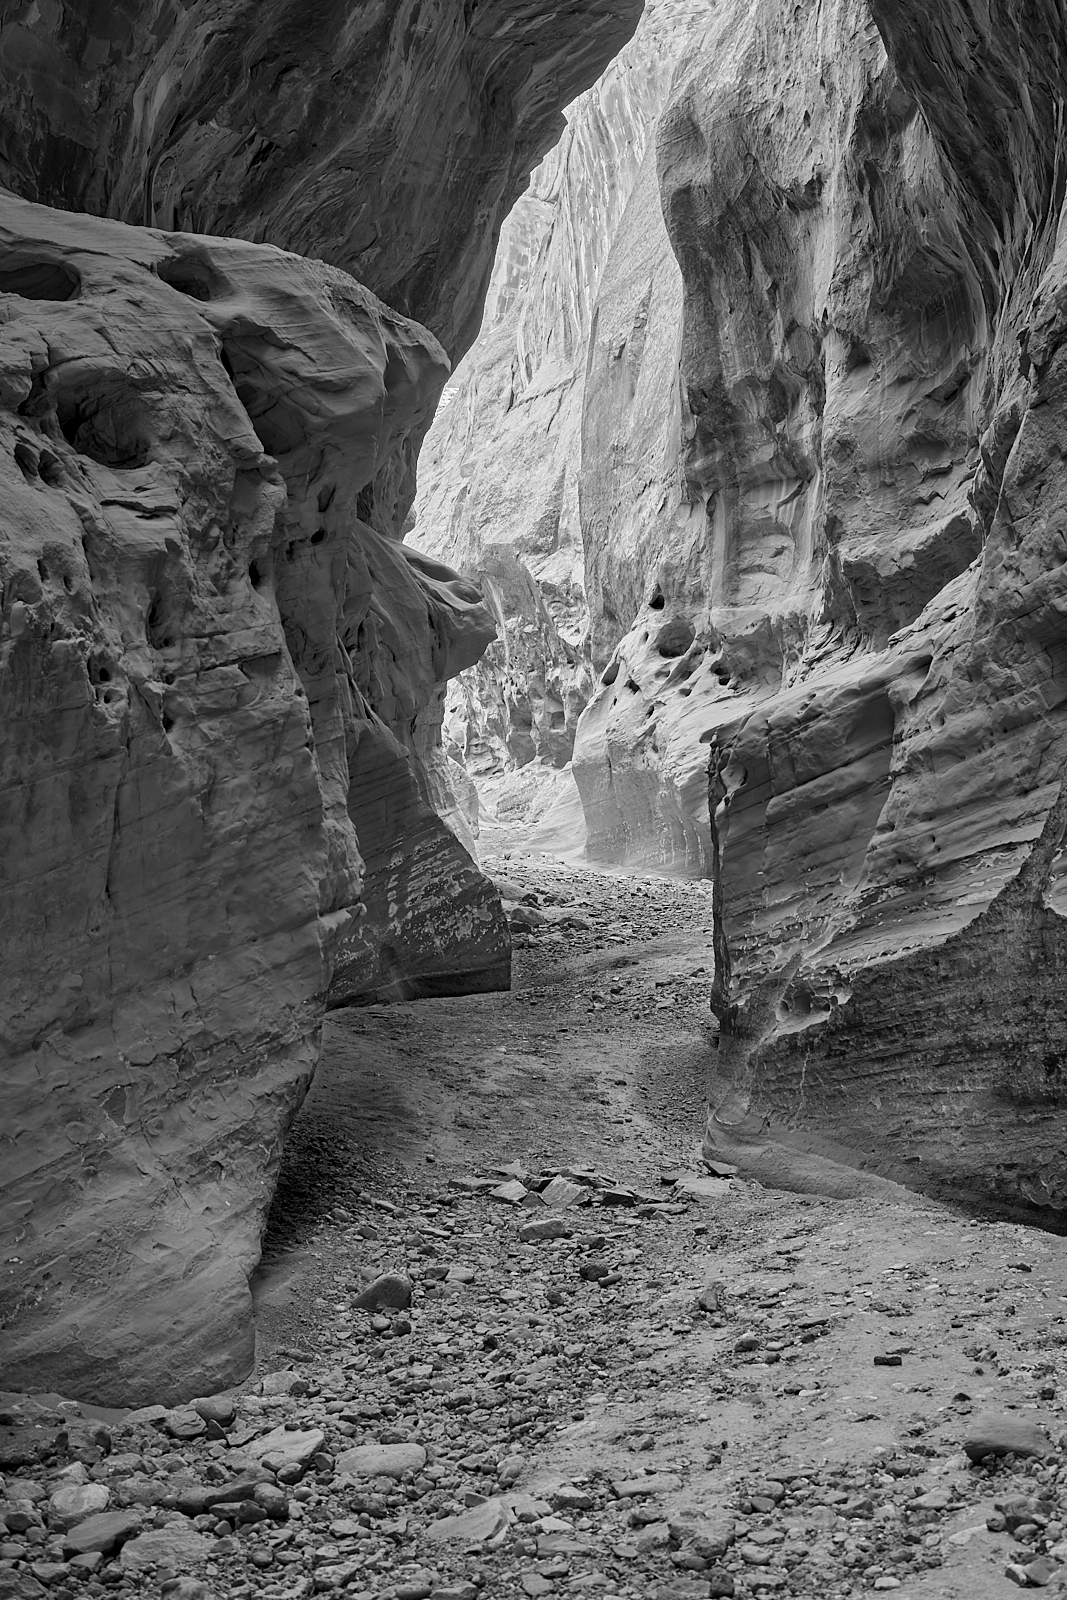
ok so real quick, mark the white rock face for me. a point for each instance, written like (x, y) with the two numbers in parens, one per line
(499, 471)
(821, 509)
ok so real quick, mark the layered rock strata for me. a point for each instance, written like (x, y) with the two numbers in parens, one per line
(188, 424)
(865, 620)
(819, 500)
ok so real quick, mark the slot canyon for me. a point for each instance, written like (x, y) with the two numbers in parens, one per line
(533, 784)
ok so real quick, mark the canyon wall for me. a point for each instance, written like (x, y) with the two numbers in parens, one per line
(499, 474)
(862, 612)
(221, 671)
(817, 488)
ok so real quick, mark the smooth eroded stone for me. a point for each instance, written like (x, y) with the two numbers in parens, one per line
(185, 1423)
(380, 1461)
(104, 1532)
(290, 1444)
(391, 1291)
(475, 1526)
(67, 1507)
(994, 1435)
(218, 1408)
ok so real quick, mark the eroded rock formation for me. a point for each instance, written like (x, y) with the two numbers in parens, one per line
(187, 424)
(872, 281)
(500, 471)
(221, 674)
(820, 505)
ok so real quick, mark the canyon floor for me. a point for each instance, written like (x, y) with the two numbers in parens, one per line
(733, 1391)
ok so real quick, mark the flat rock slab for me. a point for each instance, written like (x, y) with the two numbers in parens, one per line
(472, 1527)
(561, 1193)
(176, 1545)
(104, 1532)
(701, 1188)
(651, 1483)
(299, 1445)
(381, 1461)
(993, 1435)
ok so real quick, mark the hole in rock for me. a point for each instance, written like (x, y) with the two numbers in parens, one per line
(675, 637)
(157, 625)
(26, 461)
(51, 469)
(318, 536)
(38, 280)
(657, 602)
(108, 428)
(190, 275)
(610, 674)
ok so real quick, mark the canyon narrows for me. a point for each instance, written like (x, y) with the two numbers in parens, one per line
(221, 671)
(741, 526)
(765, 495)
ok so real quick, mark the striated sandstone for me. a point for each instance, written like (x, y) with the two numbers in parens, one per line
(820, 503)
(220, 671)
(501, 471)
(188, 424)
(389, 139)
(872, 313)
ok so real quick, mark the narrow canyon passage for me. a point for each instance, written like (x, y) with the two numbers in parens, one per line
(683, 1386)
(533, 607)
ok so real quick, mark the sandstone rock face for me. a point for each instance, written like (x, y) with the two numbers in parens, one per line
(389, 139)
(500, 470)
(220, 672)
(819, 501)
(857, 588)
(188, 424)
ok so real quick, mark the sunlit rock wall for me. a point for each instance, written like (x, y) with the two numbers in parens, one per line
(854, 587)
(500, 471)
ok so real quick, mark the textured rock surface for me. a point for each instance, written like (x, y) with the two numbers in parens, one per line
(177, 850)
(218, 665)
(872, 319)
(499, 472)
(832, 558)
(389, 139)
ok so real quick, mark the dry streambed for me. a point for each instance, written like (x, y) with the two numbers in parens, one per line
(630, 1384)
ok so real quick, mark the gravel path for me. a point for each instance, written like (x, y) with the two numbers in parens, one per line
(666, 1389)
